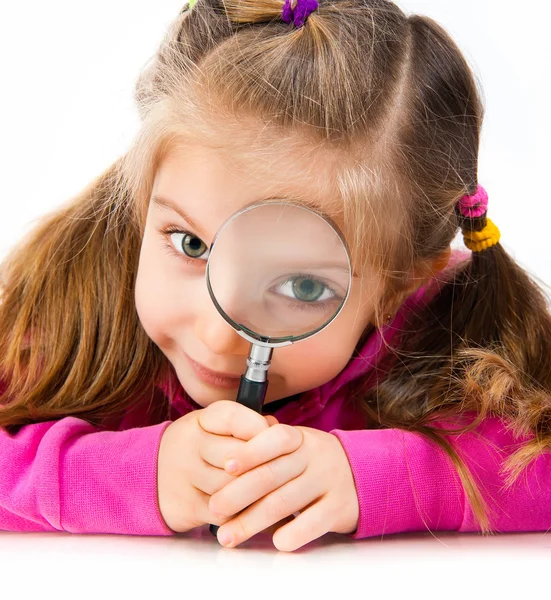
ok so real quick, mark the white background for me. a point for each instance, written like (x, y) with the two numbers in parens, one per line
(67, 76)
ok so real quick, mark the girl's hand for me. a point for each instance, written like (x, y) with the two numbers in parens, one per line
(281, 471)
(191, 460)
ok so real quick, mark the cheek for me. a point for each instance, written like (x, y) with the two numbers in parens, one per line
(316, 360)
(158, 295)
(146, 299)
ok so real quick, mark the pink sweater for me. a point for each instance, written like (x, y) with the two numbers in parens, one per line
(68, 476)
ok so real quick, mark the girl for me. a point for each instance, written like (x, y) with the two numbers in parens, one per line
(417, 408)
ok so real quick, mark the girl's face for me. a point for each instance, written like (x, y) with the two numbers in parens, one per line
(172, 299)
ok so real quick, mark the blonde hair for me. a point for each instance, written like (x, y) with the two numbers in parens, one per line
(393, 98)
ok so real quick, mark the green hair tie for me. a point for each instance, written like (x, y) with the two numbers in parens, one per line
(192, 3)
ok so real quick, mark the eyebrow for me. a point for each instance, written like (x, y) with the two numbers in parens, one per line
(164, 203)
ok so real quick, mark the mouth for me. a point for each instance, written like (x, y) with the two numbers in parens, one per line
(216, 378)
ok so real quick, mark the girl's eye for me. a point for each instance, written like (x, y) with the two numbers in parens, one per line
(185, 244)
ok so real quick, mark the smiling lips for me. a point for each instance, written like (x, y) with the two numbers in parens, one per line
(223, 380)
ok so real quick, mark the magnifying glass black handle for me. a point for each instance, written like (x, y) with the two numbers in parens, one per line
(251, 394)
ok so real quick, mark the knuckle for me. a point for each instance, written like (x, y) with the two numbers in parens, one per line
(287, 434)
(217, 406)
(266, 475)
(219, 518)
(245, 533)
(221, 407)
(278, 507)
(224, 411)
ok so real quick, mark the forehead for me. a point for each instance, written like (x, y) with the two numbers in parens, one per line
(286, 168)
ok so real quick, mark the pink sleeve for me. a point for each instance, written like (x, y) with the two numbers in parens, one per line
(66, 476)
(407, 483)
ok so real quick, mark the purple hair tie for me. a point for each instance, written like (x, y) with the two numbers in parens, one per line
(474, 206)
(302, 9)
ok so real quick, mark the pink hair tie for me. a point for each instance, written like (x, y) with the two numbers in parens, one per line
(474, 206)
(298, 12)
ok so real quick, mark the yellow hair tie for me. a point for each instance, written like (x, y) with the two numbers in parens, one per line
(477, 241)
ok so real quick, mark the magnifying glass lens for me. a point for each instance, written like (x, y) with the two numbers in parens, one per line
(278, 271)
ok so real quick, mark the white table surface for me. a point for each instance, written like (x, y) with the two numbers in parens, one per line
(427, 565)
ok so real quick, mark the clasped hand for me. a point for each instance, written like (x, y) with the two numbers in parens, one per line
(280, 471)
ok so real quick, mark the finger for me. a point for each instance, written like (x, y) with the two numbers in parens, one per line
(214, 449)
(200, 509)
(281, 503)
(271, 420)
(266, 446)
(309, 525)
(257, 483)
(209, 479)
(230, 418)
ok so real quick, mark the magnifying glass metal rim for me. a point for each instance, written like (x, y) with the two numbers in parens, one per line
(248, 334)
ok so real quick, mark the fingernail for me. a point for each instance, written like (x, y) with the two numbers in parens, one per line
(225, 538)
(231, 466)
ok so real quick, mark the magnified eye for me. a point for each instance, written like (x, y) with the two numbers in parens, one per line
(307, 289)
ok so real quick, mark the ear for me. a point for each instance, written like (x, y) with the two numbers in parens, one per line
(420, 275)
(430, 268)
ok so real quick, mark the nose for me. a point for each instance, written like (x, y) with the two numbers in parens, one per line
(218, 335)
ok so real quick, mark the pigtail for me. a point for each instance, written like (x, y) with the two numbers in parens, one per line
(508, 315)
(482, 346)
(71, 342)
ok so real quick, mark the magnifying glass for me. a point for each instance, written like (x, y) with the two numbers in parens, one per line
(278, 273)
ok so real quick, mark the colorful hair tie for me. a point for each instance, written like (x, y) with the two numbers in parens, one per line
(475, 207)
(477, 241)
(299, 11)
